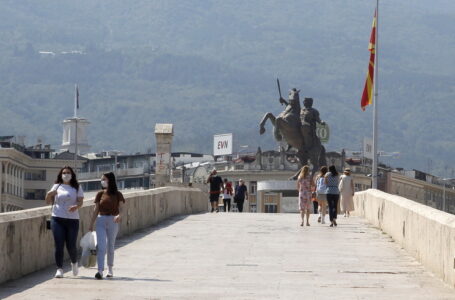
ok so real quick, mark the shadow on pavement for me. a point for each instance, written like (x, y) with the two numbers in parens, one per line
(19, 285)
(120, 279)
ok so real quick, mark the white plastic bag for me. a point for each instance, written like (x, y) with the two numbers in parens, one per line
(88, 240)
(88, 245)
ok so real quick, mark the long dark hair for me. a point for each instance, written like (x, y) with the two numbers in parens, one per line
(111, 184)
(333, 170)
(73, 182)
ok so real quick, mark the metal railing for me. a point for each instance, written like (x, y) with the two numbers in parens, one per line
(118, 172)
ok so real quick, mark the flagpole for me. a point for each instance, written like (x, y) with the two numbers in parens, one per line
(75, 119)
(75, 100)
(375, 105)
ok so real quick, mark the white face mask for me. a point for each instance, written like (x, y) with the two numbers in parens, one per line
(104, 183)
(66, 177)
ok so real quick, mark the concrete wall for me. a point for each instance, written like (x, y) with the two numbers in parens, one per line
(289, 205)
(27, 246)
(426, 233)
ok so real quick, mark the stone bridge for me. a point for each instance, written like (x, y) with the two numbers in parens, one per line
(171, 248)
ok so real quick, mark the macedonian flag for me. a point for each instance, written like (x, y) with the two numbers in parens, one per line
(367, 96)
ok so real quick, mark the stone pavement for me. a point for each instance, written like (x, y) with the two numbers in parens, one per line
(247, 256)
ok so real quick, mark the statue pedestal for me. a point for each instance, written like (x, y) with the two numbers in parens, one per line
(270, 196)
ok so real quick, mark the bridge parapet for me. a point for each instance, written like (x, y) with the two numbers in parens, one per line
(426, 233)
(27, 246)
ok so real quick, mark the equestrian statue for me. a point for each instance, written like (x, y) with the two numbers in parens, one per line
(297, 127)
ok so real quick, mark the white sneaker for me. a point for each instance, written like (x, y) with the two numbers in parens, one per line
(110, 272)
(323, 220)
(75, 269)
(59, 273)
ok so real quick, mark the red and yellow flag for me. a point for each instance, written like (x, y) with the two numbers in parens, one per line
(367, 96)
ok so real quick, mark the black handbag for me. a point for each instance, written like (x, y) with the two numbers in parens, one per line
(48, 224)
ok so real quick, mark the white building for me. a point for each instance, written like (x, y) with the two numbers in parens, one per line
(69, 135)
(26, 174)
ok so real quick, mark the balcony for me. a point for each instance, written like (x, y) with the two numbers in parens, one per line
(118, 173)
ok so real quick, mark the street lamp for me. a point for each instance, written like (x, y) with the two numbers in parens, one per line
(116, 153)
(444, 192)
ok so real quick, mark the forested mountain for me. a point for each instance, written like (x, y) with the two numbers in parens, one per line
(210, 66)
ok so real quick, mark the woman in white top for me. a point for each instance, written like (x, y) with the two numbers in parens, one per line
(346, 188)
(67, 197)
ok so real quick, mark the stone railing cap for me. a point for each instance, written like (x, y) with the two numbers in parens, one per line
(164, 128)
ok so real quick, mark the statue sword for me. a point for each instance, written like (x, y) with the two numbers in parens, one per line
(279, 88)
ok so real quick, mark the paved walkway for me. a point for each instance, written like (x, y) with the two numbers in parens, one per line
(247, 256)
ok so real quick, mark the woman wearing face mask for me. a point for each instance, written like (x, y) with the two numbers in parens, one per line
(107, 214)
(67, 197)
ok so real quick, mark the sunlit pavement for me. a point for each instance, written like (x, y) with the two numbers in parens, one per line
(246, 256)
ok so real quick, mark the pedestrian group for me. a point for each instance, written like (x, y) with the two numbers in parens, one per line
(66, 197)
(219, 187)
(326, 189)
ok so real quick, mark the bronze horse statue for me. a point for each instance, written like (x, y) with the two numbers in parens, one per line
(298, 129)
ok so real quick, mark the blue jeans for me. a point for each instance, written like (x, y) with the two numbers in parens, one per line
(65, 231)
(106, 232)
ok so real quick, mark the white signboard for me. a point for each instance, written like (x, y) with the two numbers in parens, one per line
(367, 148)
(222, 144)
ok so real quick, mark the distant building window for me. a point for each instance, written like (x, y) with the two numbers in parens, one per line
(253, 186)
(39, 175)
(290, 193)
(359, 187)
(270, 208)
(138, 164)
(34, 194)
(105, 168)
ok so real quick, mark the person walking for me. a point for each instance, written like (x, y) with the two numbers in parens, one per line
(216, 184)
(304, 187)
(321, 193)
(346, 188)
(66, 197)
(241, 194)
(333, 194)
(107, 215)
(227, 195)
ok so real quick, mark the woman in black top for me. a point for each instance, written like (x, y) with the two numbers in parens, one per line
(241, 194)
(333, 194)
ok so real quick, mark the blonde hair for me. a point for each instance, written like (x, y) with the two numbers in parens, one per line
(304, 172)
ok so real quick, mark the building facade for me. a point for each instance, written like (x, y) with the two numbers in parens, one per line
(24, 180)
(266, 175)
(133, 171)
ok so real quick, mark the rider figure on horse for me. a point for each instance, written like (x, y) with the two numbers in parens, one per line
(297, 127)
(309, 116)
